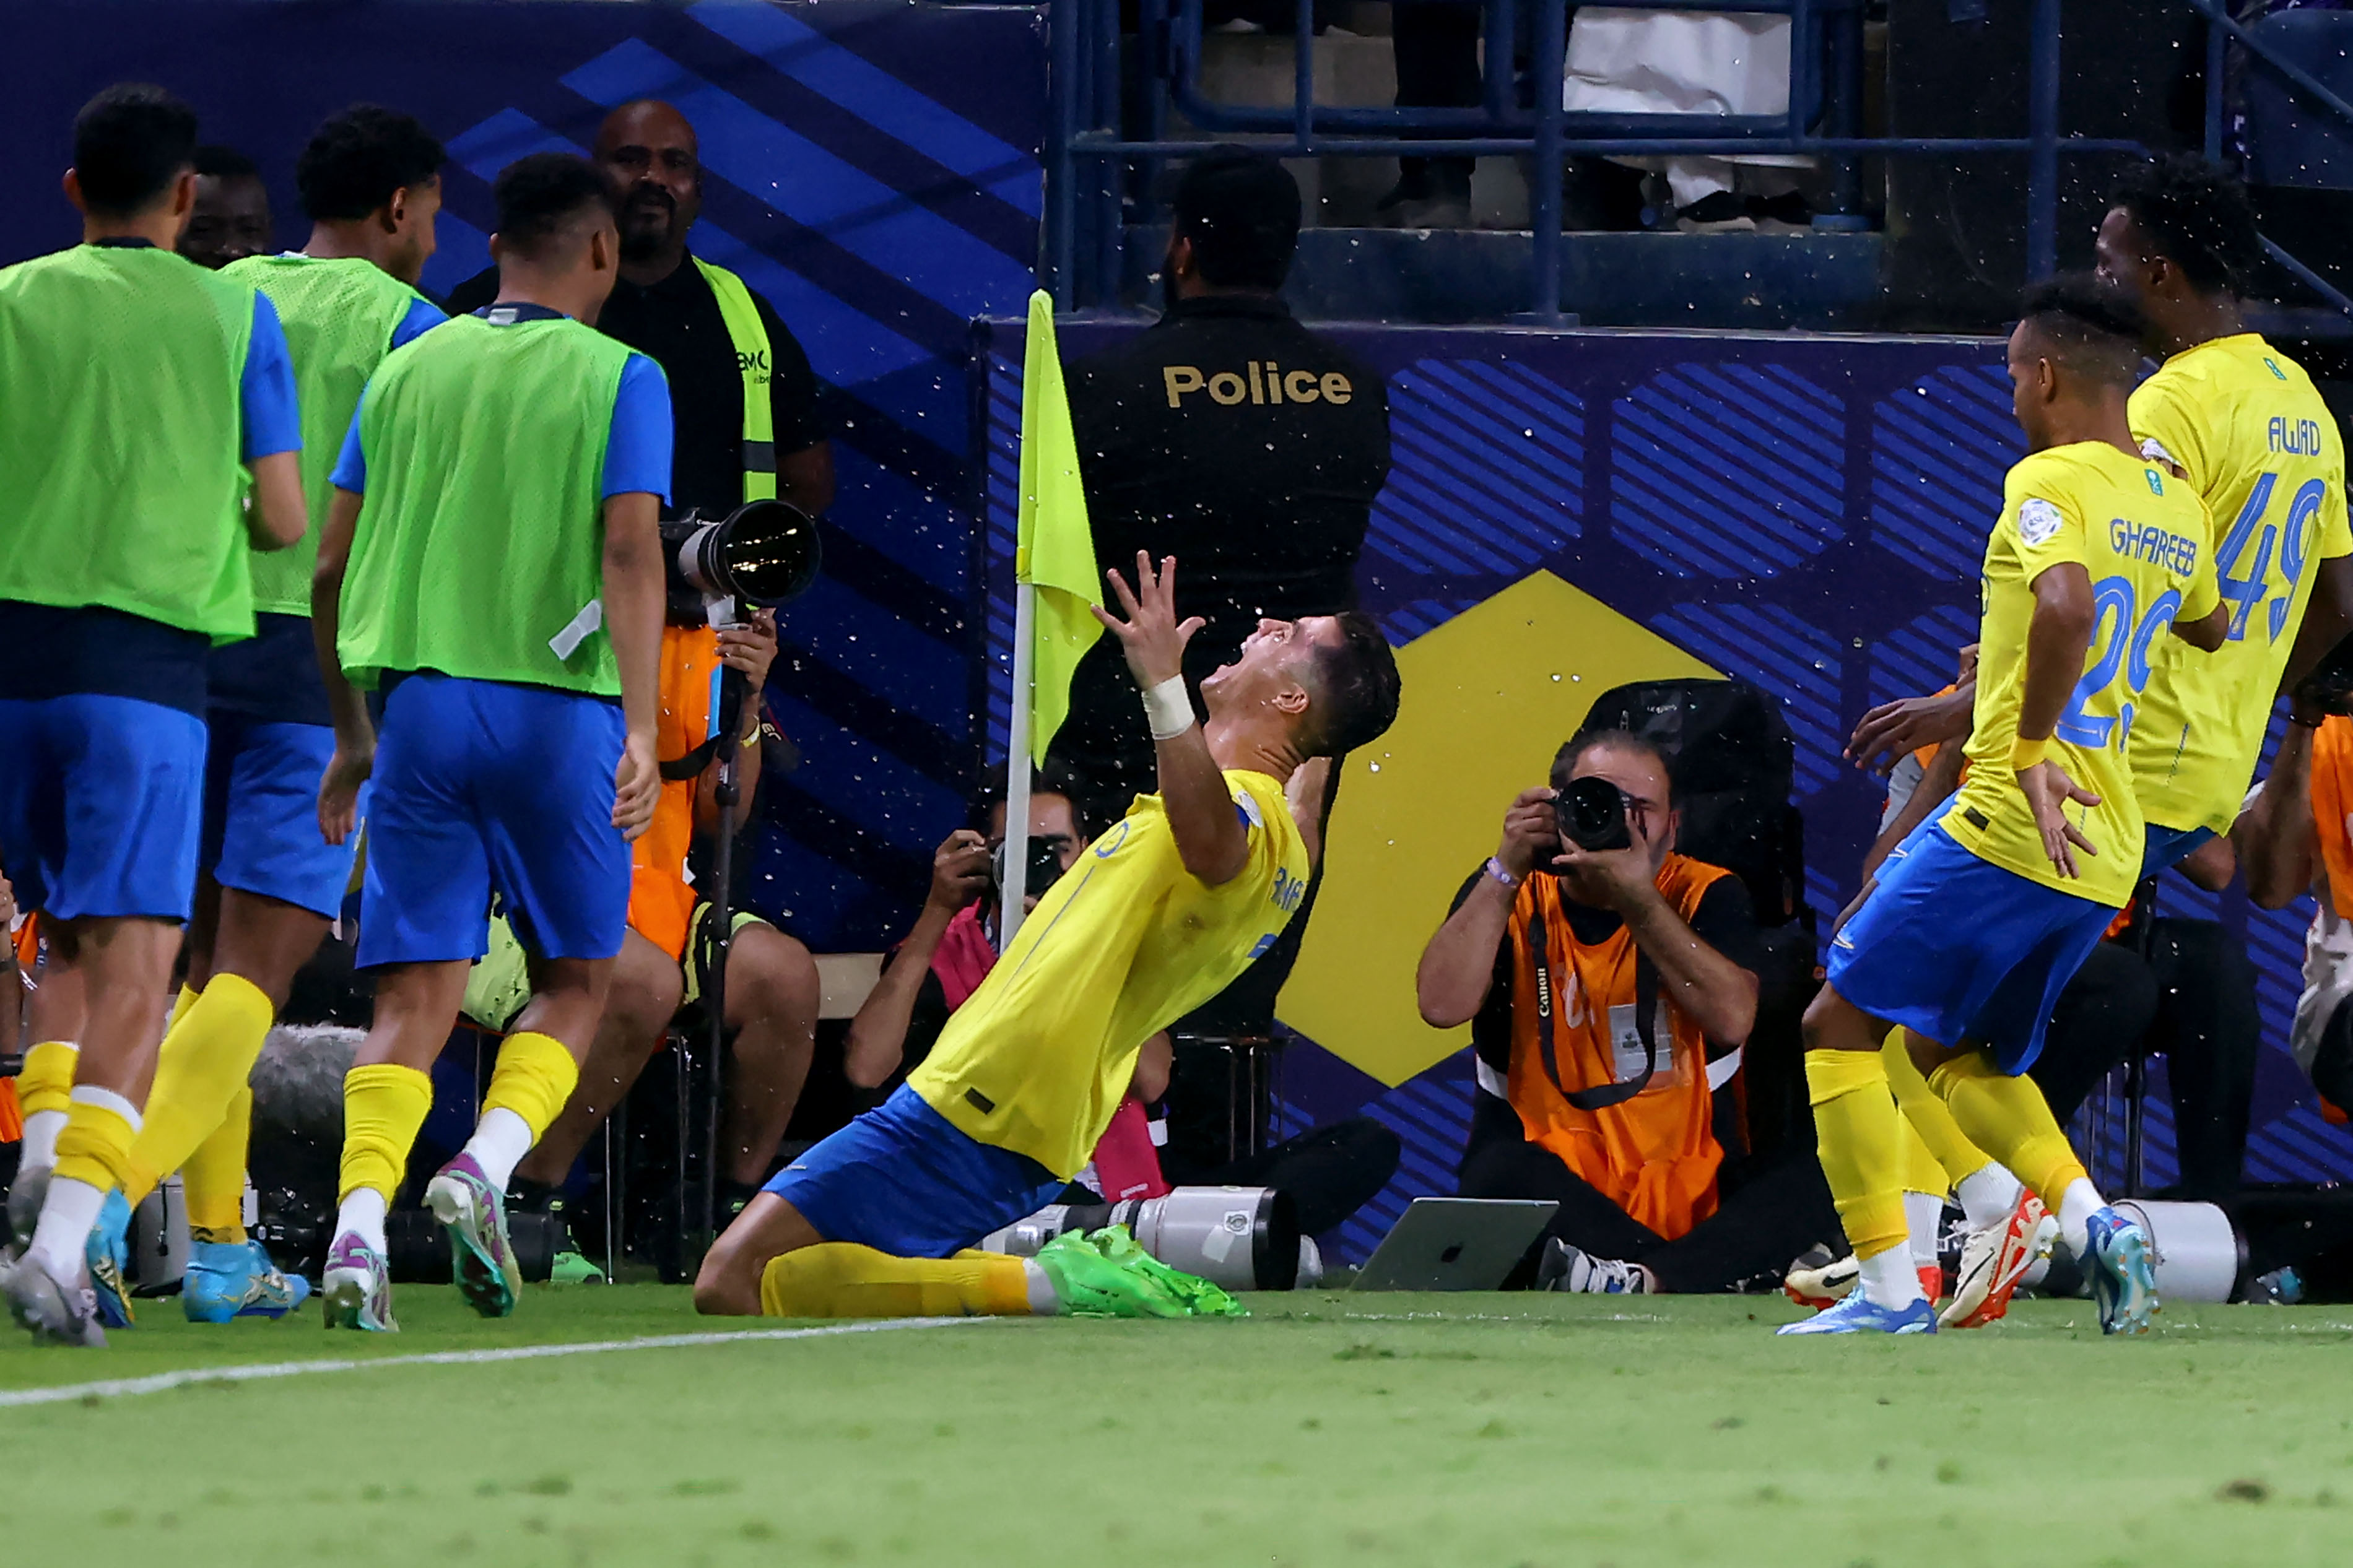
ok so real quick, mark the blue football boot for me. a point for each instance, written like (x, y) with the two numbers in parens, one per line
(229, 1280)
(1857, 1314)
(109, 1253)
(2124, 1276)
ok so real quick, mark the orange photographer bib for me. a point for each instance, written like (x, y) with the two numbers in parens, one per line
(1574, 1032)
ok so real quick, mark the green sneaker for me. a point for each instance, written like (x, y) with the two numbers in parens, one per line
(1201, 1299)
(1089, 1285)
(571, 1269)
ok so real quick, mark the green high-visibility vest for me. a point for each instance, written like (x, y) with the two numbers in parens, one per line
(339, 317)
(752, 357)
(121, 369)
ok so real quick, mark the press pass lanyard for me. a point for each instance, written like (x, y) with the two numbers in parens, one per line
(1646, 1002)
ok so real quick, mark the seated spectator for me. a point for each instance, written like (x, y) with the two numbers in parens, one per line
(772, 992)
(1330, 1172)
(1550, 954)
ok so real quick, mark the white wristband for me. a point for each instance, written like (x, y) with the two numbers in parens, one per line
(1168, 709)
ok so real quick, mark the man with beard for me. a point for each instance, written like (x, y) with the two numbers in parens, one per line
(742, 392)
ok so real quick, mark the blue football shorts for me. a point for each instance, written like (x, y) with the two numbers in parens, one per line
(1960, 950)
(262, 813)
(902, 1179)
(483, 786)
(100, 800)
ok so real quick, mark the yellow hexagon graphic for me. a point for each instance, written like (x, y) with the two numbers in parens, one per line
(1489, 697)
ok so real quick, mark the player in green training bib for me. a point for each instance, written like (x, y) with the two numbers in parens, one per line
(138, 395)
(1976, 922)
(491, 565)
(269, 882)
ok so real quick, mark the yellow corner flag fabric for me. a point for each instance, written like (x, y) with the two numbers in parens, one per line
(1057, 550)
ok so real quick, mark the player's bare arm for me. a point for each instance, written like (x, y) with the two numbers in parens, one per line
(2206, 633)
(354, 758)
(2328, 620)
(2057, 639)
(278, 516)
(1210, 838)
(2276, 836)
(633, 619)
(1894, 730)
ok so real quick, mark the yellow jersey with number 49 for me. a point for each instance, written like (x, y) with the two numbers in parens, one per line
(2143, 537)
(2247, 427)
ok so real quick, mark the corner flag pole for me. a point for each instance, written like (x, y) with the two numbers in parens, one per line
(1017, 764)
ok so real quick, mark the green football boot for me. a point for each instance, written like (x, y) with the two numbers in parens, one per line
(1201, 1299)
(1089, 1285)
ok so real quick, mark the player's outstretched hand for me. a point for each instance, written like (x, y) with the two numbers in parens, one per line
(636, 786)
(1151, 637)
(2048, 790)
(1894, 730)
(339, 791)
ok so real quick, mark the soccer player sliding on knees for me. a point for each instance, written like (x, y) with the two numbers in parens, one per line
(1158, 916)
(1976, 922)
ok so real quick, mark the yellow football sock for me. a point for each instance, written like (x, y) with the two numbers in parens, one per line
(46, 1081)
(95, 1146)
(205, 1061)
(840, 1279)
(1921, 1171)
(214, 1175)
(384, 1105)
(2010, 1119)
(534, 1076)
(179, 1005)
(1928, 1115)
(1862, 1141)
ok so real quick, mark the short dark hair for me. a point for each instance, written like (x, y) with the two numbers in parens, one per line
(131, 143)
(218, 163)
(1356, 696)
(538, 195)
(1240, 210)
(2094, 327)
(1610, 738)
(359, 158)
(2197, 216)
(1054, 778)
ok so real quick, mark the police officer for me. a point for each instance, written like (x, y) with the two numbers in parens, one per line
(1229, 436)
(742, 392)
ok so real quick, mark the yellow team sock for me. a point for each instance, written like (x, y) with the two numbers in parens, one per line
(1862, 1143)
(1929, 1115)
(384, 1105)
(46, 1080)
(2008, 1119)
(534, 1076)
(95, 1146)
(205, 1061)
(179, 1005)
(214, 1176)
(840, 1279)
(1922, 1173)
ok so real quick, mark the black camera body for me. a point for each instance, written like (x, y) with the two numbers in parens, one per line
(763, 554)
(1592, 814)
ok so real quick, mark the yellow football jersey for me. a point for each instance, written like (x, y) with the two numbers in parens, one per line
(2143, 536)
(2245, 422)
(1126, 943)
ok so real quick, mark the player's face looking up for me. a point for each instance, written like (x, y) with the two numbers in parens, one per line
(229, 222)
(1277, 666)
(650, 151)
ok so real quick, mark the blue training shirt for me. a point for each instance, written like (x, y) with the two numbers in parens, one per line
(272, 420)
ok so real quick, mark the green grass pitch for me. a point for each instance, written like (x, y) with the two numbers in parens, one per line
(1490, 1431)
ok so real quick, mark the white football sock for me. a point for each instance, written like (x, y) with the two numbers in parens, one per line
(41, 1130)
(501, 1141)
(1890, 1279)
(2076, 1206)
(363, 1216)
(67, 1216)
(1989, 1195)
(1043, 1300)
(1922, 1214)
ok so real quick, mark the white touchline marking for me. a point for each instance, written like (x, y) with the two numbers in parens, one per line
(164, 1382)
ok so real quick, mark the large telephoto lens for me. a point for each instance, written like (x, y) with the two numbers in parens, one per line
(763, 554)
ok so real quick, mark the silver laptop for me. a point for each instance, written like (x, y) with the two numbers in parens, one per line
(1455, 1244)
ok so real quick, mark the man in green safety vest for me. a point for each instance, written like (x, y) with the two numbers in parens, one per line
(744, 403)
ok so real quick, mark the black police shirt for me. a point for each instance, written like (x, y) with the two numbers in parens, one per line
(1231, 436)
(676, 323)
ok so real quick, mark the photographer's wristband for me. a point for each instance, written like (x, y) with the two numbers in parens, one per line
(1168, 709)
(1501, 872)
